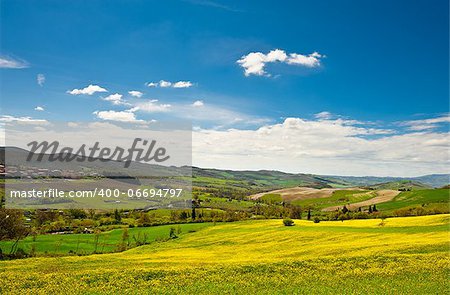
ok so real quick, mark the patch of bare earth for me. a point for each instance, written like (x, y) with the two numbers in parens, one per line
(302, 193)
(382, 196)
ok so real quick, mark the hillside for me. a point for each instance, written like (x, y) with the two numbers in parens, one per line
(262, 180)
(433, 180)
(396, 255)
(401, 185)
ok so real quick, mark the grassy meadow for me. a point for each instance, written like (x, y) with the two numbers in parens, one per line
(428, 198)
(407, 255)
(103, 242)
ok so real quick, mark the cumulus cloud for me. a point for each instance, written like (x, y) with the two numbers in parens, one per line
(11, 63)
(165, 84)
(116, 99)
(254, 63)
(323, 147)
(153, 106)
(311, 61)
(168, 84)
(89, 90)
(182, 84)
(135, 93)
(198, 103)
(119, 116)
(39, 108)
(40, 79)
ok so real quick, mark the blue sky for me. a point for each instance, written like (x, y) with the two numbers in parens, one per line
(369, 64)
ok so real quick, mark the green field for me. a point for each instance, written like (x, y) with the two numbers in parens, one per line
(338, 198)
(271, 198)
(104, 242)
(392, 256)
(429, 198)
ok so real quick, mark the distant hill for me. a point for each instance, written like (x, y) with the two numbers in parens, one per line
(405, 185)
(433, 180)
(256, 180)
(14, 156)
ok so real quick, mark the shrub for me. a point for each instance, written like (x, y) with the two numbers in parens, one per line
(20, 253)
(172, 233)
(316, 219)
(288, 222)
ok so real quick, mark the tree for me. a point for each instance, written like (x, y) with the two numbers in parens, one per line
(12, 227)
(183, 215)
(77, 213)
(370, 209)
(344, 209)
(309, 214)
(47, 216)
(193, 213)
(295, 212)
(117, 216)
(194, 205)
(374, 208)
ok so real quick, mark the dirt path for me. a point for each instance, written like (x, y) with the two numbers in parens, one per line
(382, 196)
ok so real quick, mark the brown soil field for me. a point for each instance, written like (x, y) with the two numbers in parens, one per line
(302, 193)
(382, 196)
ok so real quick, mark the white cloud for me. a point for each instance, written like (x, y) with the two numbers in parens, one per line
(168, 84)
(323, 115)
(116, 99)
(113, 97)
(426, 124)
(119, 116)
(323, 147)
(89, 90)
(40, 79)
(276, 55)
(254, 63)
(153, 106)
(10, 63)
(135, 93)
(198, 103)
(312, 60)
(72, 124)
(182, 84)
(24, 120)
(39, 108)
(219, 116)
(199, 112)
(165, 84)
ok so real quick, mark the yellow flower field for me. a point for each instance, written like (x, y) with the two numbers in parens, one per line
(394, 256)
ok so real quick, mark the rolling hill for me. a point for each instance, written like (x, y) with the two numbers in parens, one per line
(394, 256)
(262, 180)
